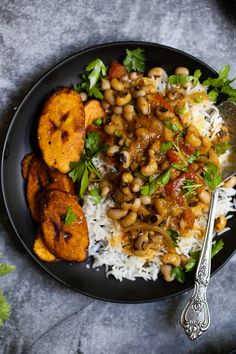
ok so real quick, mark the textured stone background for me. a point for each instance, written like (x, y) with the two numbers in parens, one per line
(47, 317)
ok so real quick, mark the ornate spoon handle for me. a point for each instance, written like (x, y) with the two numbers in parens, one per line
(195, 317)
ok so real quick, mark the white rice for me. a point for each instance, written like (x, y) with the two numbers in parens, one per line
(105, 237)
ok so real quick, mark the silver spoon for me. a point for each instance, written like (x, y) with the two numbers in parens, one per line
(195, 317)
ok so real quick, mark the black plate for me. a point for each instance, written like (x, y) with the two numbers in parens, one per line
(21, 139)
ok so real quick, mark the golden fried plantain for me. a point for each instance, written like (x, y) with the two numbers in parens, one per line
(37, 180)
(41, 251)
(93, 110)
(26, 164)
(61, 182)
(41, 179)
(66, 241)
(61, 129)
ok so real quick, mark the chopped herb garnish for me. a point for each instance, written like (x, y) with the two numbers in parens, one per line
(221, 84)
(213, 95)
(171, 126)
(135, 60)
(189, 188)
(162, 180)
(180, 166)
(182, 110)
(96, 69)
(98, 122)
(184, 79)
(178, 273)
(6, 268)
(191, 264)
(174, 235)
(166, 147)
(198, 99)
(216, 247)
(70, 216)
(95, 193)
(222, 148)
(5, 308)
(144, 190)
(211, 175)
(194, 157)
(93, 72)
(80, 171)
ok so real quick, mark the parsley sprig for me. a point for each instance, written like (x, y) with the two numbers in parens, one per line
(70, 216)
(5, 308)
(211, 175)
(189, 188)
(135, 60)
(179, 273)
(221, 84)
(82, 170)
(93, 72)
(184, 79)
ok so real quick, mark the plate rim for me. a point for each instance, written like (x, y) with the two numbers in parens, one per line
(4, 148)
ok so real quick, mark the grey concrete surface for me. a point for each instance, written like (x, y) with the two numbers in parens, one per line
(47, 317)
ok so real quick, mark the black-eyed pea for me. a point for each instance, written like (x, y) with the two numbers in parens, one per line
(109, 96)
(117, 84)
(171, 258)
(116, 214)
(122, 100)
(166, 272)
(129, 219)
(150, 169)
(181, 70)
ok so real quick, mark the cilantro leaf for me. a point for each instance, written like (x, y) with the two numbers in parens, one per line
(197, 73)
(174, 235)
(180, 166)
(84, 182)
(189, 187)
(135, 60)
(5, 309)
(194, 157)
(95, 193)
(94, 71)
(213, 95)
(171, 126)
(221, 148)
(216, 247)
(178, 273)
(6, 268)
(166, 146)
(220, 84)
(97, 69)
(211, 175)
(70, 216)
(184, 79)
(144, 190)
(77, 170)
(92, 143)
(93, 169)
(191, 264)
(229, 90)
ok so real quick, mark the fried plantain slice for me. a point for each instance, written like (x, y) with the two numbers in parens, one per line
(41, 179)
(41, 251)
(66, 241)
(25, 164)
(61, 129)
(93, 110)
(37, 179)
(61, 182)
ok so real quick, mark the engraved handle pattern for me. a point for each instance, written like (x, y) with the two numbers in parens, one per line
(195, 317)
